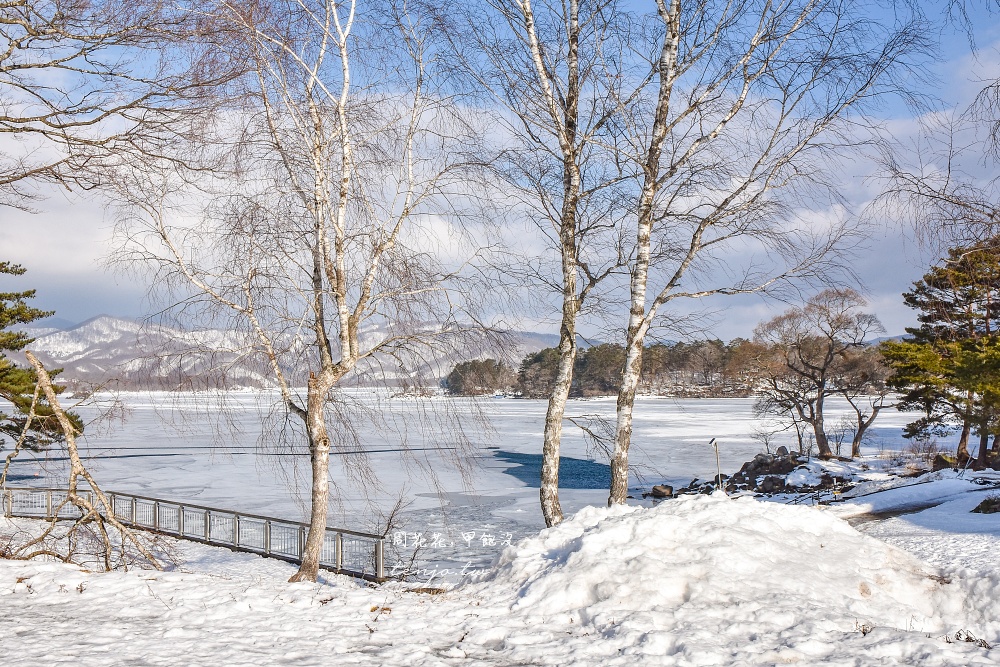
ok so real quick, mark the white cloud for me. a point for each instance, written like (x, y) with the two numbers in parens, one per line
(63, 245)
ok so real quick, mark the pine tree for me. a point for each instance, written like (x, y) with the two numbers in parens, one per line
(479, 376)
(947, 368)
(17, 384)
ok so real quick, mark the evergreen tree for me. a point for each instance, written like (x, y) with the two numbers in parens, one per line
(17, 384)
(479, 376)
(598, 370)
(537, 373)
(947, 367)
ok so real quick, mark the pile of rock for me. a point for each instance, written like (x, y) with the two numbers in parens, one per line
(765, 473)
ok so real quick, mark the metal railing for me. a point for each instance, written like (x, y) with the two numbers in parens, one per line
(344, 551)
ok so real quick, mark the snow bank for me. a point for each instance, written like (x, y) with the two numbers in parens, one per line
(698, 581)
(729, 578)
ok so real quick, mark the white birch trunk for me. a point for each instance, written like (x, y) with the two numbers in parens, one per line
(639, 319)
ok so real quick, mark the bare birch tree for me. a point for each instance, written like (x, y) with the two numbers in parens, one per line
(937, 186)
(319, 244)
(751, 98)
(83, 81)
(552, 68)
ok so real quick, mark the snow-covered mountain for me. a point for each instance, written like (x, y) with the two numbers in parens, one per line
(132, 355)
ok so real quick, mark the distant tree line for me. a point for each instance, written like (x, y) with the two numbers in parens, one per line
(795, 362)
(705, 368)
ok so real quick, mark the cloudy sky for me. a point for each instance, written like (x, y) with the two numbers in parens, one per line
(65, 242)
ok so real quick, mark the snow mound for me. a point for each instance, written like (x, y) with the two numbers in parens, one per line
(712, 567)
(697, 581)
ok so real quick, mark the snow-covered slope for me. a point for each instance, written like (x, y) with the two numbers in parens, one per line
(698, 581)
(130, 354)
(133, 355)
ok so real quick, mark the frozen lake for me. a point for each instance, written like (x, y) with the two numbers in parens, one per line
(466, 468)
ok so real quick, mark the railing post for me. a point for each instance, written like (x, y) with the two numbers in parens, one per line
(111, 510)
(48, 503)
(236, 529)
(134, 522)
(302, 542)
(267, 536)
(340, 551)
(180, 520)
(208, 525)
(9, 507)
(380, 559)
(156, 515)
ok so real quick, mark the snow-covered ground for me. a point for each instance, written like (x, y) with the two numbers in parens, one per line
(704, 580)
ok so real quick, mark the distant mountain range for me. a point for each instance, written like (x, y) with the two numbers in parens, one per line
(127, 354)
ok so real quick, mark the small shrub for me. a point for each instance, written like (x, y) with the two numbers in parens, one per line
(925, 448)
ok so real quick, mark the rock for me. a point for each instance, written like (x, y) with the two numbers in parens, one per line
(943, 462)
(772, 484)
(781, 451)
(766, 464)
(783, 466)
(989, 506)
(661, 491)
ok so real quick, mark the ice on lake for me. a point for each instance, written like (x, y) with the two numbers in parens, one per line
(466, 469)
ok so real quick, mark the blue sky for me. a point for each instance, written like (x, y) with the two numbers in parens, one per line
(64, 243)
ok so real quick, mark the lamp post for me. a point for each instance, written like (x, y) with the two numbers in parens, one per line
(718, 466)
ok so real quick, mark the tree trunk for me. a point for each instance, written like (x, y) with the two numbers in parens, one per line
(548, 491)
(623, 428)
(319, 456)
(564, 113)
(859, 435)
(984, 443)
(962, 454)
(856, 447)
(639, 319)
(996, 444)
(819, 429)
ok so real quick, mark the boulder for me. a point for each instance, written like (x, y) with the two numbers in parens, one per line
(990, 505)
(943, 462)
(767, 464)
(661, 491)
(772, 484)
